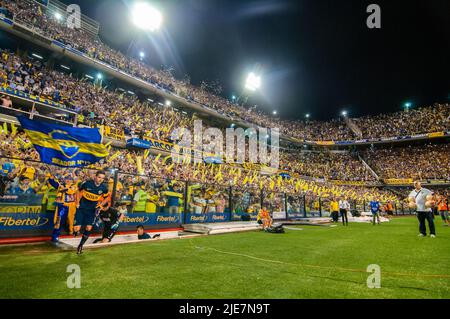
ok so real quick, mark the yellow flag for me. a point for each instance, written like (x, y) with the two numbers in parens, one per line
(13, 129)
(272, 184)
(139, 165)
(218, 177)
(166, 159)
(114, 156)
(130, 159)
(195, 173)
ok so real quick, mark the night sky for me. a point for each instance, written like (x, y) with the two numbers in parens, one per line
(316, 56)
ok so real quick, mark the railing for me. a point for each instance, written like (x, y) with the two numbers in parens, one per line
(87, 24)
(36, 107)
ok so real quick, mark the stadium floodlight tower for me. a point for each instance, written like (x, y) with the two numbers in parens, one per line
(146, 17)
(253, 82)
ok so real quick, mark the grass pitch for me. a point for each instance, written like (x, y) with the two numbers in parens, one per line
(316, 262)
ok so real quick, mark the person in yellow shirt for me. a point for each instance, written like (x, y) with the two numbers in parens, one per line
(152, 204)
(28, 172)
(264, 218)
(140, 198)
(334, 209)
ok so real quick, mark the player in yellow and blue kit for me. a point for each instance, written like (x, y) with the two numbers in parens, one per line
(93, 197)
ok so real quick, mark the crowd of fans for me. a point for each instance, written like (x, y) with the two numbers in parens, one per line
(95, 104)
(396, 124)
(409, 122)
(117, 109)
(327, 165)
(32, 14)
(424, 162)
(17, 146)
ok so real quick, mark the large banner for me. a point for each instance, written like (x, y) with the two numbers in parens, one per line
(114, 133)
(238, 216)
(294, 215)
(159, 145)
(351, 183)
(25, 221)
(21, 214)
(21, 204)
(147, 219)
(192, 218)
(279, 215)
(65, 146)
(398, 181)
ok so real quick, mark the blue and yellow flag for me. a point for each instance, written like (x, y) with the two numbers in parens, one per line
(65, 146)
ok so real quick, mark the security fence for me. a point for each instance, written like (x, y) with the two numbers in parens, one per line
(27, 200)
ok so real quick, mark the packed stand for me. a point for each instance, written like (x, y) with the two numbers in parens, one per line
(327, 165)
(32, 14)
(405, 123)
(423, 162)
(95, 104)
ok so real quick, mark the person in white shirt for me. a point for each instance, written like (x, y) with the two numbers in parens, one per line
(344, 207)
(423, 212)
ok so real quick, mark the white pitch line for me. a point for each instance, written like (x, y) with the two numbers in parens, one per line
(292, 228)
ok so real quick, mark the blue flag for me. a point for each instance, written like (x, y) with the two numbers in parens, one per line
(65, 146)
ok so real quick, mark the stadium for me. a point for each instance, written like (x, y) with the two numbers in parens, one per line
(355, 207)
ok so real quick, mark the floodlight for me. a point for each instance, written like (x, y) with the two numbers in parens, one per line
(146, 17)
(253, 82)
